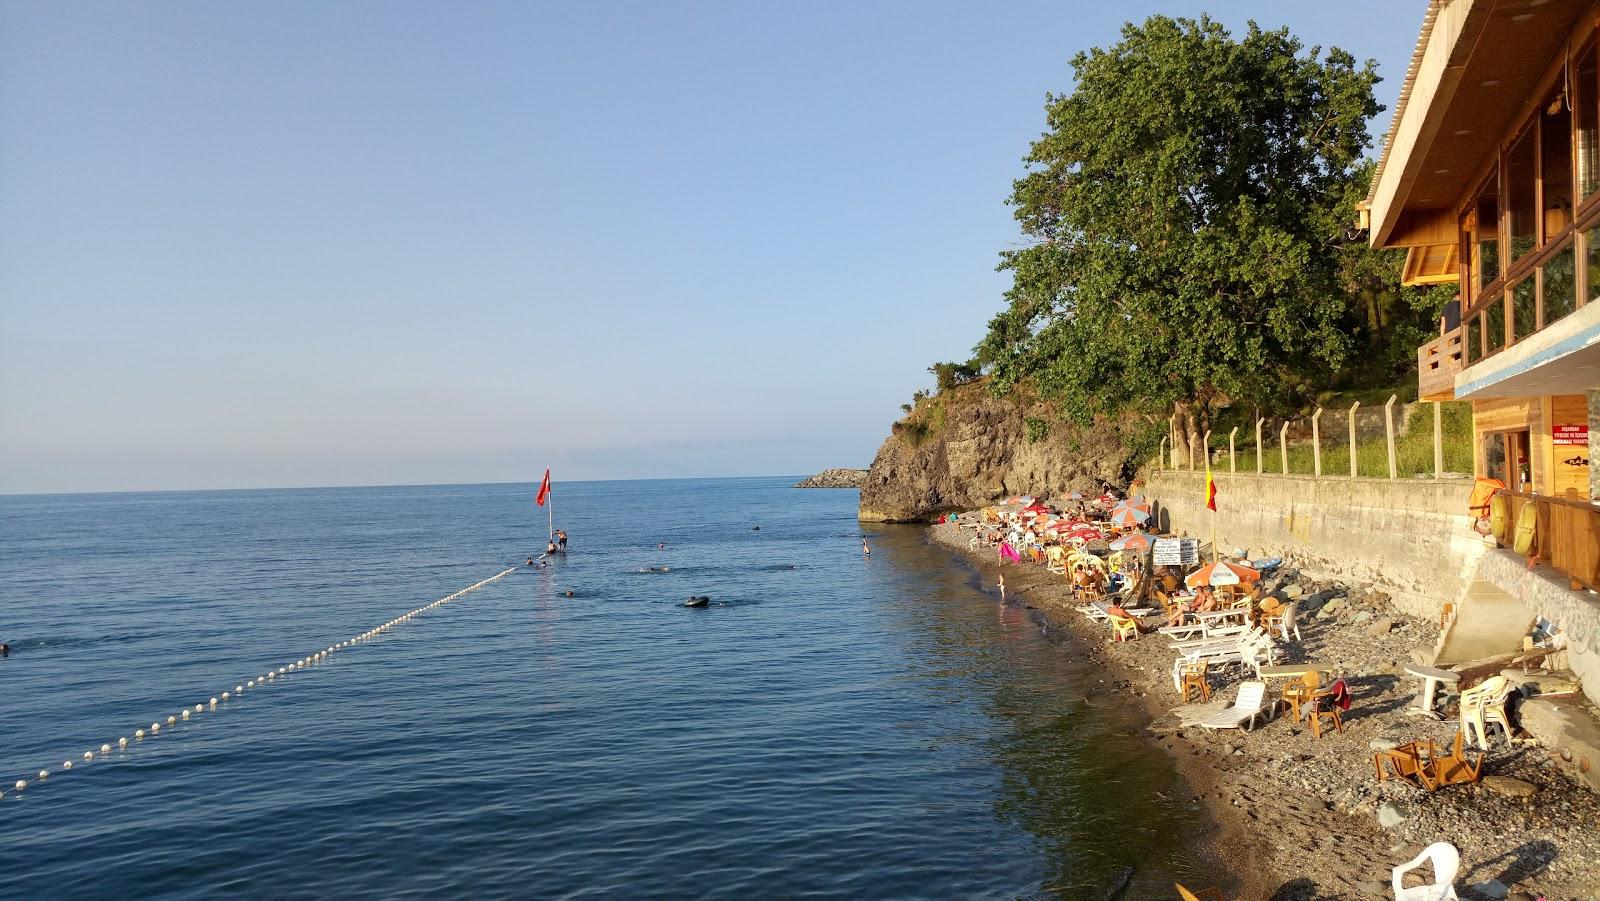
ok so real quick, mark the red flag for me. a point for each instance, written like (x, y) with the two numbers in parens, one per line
(544, 489)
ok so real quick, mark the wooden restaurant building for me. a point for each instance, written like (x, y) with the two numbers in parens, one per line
(1490, 178)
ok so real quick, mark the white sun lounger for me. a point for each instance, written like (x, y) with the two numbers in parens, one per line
(1248, 707)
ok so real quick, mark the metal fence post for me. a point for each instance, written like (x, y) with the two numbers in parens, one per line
(1388, 427)
(1353, 438)
(1172, 438)
(1316, 443)
(1205, 447)
(1161, 460)
(1283, 445)
(1438, 441)
(1261, 452)
(1231, 466)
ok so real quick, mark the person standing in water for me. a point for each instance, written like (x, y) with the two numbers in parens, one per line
(865, 550)
(561, 538)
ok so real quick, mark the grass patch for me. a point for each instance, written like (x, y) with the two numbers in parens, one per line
(1413, 451)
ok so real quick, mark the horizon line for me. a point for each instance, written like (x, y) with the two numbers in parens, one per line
(534, 482)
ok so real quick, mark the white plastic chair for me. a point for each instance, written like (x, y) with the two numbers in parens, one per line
(1446, 862)
(1285, 623)
(1249, 706)
(1482, 704)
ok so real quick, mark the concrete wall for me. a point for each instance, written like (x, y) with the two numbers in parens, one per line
(1544, 593)
(1409, 537)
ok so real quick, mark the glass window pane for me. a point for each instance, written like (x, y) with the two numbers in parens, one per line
(1494, 324)
(1594, 264)
(1522, 321)
(1494, 457)
(1519, 195)
(1555, 162)
(1474, 339)
(1585, 111)
(1488, 231)
(1560, 286)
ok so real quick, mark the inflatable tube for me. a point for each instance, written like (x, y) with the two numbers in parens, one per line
(1499, 518)
(1527, 527)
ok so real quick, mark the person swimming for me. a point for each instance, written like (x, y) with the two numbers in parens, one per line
(530, 561)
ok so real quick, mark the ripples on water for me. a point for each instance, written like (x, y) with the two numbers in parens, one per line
(832, 726)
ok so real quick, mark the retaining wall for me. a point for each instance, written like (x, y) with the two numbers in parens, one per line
(1409, 537)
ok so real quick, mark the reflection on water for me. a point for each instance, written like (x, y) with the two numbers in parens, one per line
(1074, 769)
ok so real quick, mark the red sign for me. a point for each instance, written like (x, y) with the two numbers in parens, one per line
(1571, 434)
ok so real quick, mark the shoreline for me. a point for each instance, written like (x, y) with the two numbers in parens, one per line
(1296, 817)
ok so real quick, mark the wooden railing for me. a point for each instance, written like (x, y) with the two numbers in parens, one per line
(1438, 361)
(1566, 536)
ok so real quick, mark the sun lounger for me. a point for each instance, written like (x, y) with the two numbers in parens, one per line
(1249, 707)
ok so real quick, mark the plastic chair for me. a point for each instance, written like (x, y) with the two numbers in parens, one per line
(1124, 629)
(1301, 690)
(1195, 681)
(1446, 861)
(1284, 622)
(1324, 704)
(1482, 704)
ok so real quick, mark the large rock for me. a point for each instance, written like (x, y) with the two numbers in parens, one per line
(835, 478)
(1389, 815)
(966, 448)
(1506, 786)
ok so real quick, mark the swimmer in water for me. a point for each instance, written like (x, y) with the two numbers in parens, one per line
(865, 550)
(530, 561)
(5, 650)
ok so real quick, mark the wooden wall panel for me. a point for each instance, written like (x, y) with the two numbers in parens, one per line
(1569, 409)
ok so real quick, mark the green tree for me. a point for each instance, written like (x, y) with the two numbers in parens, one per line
(1186, 210)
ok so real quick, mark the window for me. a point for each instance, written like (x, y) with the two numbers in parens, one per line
(1593, 243)
(1494, 324)
(1555, 162)
(1474, 339)
(1584, 110)
(1519, 195)
(1484, 220)
(1523, 310)
(1494, 458)
(1560, 286)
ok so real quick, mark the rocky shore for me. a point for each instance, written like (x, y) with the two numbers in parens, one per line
(1306, 818)
(834, 478)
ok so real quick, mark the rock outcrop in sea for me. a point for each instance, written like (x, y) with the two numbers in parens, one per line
(964, 448)
(834, 478)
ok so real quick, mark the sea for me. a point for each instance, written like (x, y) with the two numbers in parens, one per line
(832, 725)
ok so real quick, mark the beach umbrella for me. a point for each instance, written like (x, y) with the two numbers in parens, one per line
(1082, 532)
(1128, 517)
(1137, 502)
(1020, 499)
(1133, 541)
(1222, 573)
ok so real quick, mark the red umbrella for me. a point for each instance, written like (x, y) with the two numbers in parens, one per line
(1222, 573)
(1085, 533)
(1036, 508)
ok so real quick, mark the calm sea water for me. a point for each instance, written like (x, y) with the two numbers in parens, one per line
(832, 726)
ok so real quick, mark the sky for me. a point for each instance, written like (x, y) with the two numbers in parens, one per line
(356, 243)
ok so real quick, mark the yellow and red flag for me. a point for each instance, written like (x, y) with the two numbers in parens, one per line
(1211, 490)
(544, 490)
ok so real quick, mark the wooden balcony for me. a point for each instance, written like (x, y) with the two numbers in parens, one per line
(1566, 536)
(1438, 361)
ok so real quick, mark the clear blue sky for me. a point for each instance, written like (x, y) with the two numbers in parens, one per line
(301, 243)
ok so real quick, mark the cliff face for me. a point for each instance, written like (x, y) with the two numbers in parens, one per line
(964, 448)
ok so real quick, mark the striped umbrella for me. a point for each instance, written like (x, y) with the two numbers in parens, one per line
(1222, 573)
(1128, 517)
(1133, 541)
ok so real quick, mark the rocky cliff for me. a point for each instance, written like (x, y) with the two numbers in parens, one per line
(964, 448)
(834, 478)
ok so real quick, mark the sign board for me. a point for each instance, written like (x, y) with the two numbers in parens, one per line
(1175, 552)
(1571, 434)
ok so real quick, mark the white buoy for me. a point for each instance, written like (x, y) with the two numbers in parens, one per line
(21, 785)
(213, 702)
(238, 688)
(199, 707)
(105, 749)
(44, 774)
(172, 720)
(226, 696)
(138, 734)
(122, 742)
(66, 764)
(185, 713)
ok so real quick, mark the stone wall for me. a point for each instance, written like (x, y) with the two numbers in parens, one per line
(1410, 537)
(1545, 594)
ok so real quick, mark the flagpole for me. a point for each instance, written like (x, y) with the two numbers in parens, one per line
(550, 510)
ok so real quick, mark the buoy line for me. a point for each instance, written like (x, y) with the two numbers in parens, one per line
(233, 694)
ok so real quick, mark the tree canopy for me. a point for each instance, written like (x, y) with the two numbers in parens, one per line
(1187, 210)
